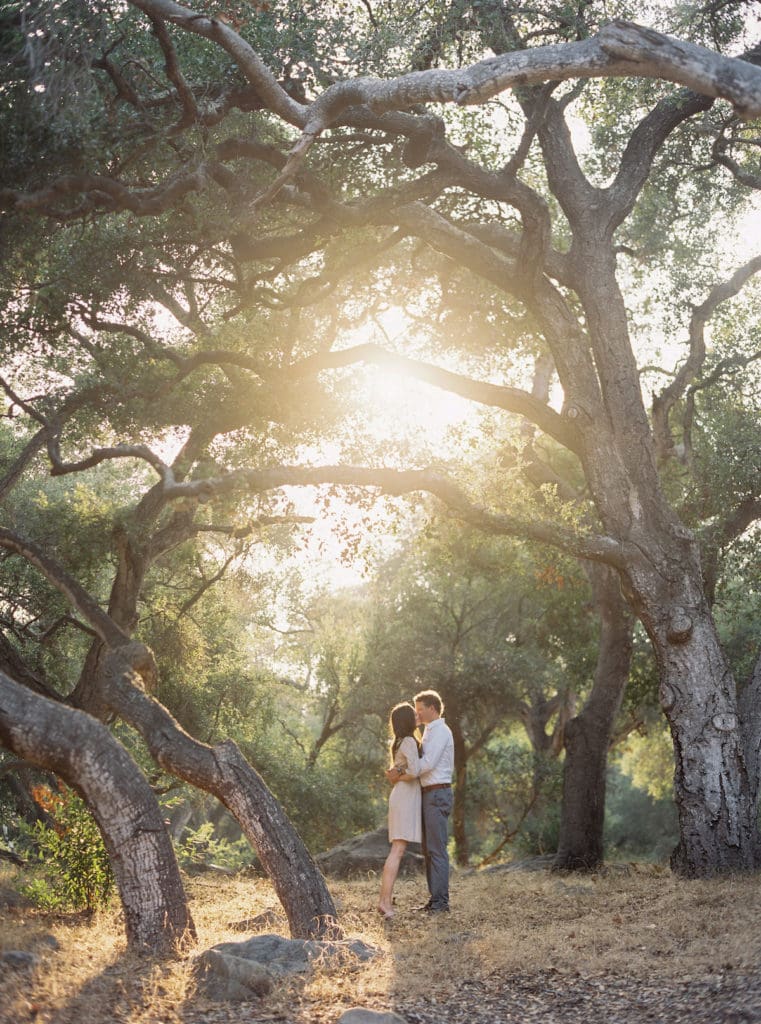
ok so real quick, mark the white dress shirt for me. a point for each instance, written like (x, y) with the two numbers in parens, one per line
(437, 763)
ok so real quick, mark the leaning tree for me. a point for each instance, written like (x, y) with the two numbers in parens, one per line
(240, 167)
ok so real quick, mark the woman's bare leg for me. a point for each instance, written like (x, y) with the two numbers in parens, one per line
(390, 871)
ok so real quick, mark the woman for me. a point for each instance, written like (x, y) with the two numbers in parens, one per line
(405, 821)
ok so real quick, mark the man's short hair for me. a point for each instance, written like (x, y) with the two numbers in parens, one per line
(431, 699)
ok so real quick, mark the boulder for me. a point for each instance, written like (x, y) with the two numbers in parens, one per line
(227, 978)
(365, 854)
(541, 862)
(238, 971)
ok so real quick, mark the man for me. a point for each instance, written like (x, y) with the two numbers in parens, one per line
(436, 766)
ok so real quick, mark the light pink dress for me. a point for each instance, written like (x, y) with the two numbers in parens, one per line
(405, 813)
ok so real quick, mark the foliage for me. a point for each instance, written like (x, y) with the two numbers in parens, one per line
(76, 872)
(514, 795)
(638, 826)
(202, 846)
(648, 761)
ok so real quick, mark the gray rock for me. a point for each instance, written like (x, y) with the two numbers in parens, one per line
(365, 854)
(238, 971)
(292, 956)
(358, 1015)
(223, 977)
(18, 959)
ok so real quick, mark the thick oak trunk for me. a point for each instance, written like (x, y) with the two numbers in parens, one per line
(715, 796)
(82, 751)
(714, 791)
(588, 735)
(224, 772)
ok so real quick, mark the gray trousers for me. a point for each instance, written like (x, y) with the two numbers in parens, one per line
(437, 806)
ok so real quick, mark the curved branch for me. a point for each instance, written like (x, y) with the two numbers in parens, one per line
(76, 595)
(190, 112)
(502, 397)
(119, 451)
(395, 482)
(621, 49)
(256, 72)
(223, 771)
(665, 401)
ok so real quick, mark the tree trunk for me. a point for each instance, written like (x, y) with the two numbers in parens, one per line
(663, 582)
(588, 735)
(714, 794)
(82, 751)
(223, 771)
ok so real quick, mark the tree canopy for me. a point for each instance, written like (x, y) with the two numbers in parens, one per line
(207, 212)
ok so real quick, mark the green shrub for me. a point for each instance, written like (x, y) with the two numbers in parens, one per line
(75, 869)
(202, 847)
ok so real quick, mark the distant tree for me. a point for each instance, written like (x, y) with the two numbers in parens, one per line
(502, 636)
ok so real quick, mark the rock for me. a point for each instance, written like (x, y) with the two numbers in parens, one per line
(18, 959)
(358, 1015)
(244, 970)
(223, 977)
(365, 854)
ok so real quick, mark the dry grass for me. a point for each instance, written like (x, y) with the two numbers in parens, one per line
(639, 923)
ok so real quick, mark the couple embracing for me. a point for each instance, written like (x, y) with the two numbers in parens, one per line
(421, 800)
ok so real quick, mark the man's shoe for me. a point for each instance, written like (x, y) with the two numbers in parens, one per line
(424, 909)
(438, 910)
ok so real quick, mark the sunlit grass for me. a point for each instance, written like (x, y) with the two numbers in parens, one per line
(635, 922)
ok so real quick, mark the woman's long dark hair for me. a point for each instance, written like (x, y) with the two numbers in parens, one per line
(402, 724)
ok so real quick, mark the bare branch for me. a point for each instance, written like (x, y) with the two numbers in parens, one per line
(175, 76)
(119, 451)
(665, 401)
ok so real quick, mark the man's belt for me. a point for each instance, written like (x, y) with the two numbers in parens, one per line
(436, 785)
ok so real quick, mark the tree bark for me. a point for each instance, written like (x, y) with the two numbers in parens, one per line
(588, 735)
(82, 752)
(224, 772)
(715, 795)
(662, 579)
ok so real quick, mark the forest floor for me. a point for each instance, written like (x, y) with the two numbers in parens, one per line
(629, 944)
